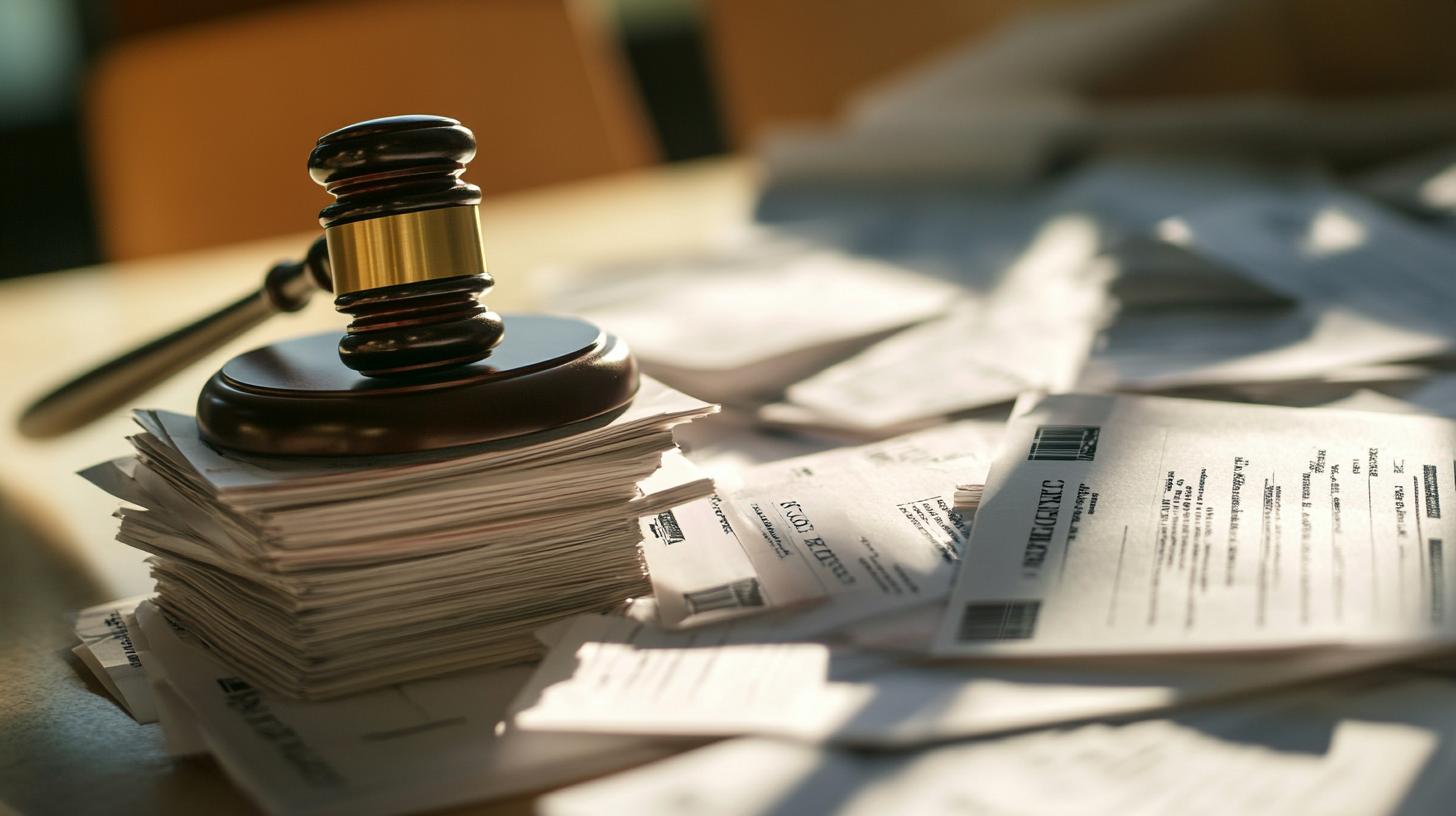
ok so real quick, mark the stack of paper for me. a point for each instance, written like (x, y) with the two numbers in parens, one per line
(319, 578)
(1101, 518)
(420, 745)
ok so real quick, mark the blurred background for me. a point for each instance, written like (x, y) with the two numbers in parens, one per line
(177, 91)
(131, 128)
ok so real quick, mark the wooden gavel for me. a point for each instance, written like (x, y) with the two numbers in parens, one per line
(403, 255)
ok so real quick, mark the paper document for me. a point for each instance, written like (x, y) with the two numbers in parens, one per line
(622, 676)
(1032, 330)
(180, 733)
(1318, 246)
(1380, 747)
(737, 323)
(108, 651)
(1127, 524)
(872, 528)
(412, 747)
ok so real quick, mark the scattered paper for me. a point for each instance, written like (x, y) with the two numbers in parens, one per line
(1318, 246)
(732, 325)
(1141, 524)
(622, 676)
(1371, 747)
(108, 650)
(1032, 331)
(868, 528)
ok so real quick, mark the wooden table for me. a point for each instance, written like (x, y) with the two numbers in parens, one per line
(64, 747)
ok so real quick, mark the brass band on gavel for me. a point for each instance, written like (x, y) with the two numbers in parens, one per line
(406, 248)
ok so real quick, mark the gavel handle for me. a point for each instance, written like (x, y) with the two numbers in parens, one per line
(120, 380)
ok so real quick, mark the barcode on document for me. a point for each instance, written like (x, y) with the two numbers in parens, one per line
(736, 595)
(1064, 443)
(666, 529)
(1433, 491)
(1438, 581)
(1000, 620)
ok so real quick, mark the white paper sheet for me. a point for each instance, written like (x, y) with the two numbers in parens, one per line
(1142, 524)
(737, 323)
(1031, 331)
(180, 733)
(1367, 747)
(108, 651)
(622, 676)
(1371, 288)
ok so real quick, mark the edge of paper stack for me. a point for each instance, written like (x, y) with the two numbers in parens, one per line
(322, 578)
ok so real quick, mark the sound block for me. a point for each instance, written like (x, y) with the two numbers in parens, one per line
(296, 399)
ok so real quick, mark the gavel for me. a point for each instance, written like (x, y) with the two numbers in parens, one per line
(423, 364)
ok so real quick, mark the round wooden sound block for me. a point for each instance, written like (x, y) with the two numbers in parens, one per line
(296, 399)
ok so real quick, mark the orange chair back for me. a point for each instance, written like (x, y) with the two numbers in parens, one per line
(199, 135)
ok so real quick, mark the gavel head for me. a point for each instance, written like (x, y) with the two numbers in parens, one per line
(404, 244)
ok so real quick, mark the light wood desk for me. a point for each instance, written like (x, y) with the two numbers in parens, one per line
(63, 747)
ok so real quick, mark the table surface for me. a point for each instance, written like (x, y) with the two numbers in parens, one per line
(64, 746)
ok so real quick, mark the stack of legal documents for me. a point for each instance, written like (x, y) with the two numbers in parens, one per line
(421, 745)
(321, 578)
(993, 525)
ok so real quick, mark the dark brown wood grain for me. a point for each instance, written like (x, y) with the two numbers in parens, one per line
(297, 399)
(393, 165)
(424, 326)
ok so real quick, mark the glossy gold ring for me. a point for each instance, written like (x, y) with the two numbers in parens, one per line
(405, 248)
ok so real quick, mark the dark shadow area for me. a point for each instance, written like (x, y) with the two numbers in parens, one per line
(60, 724)
(47, 217)
(667, 56)
(45, 205)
